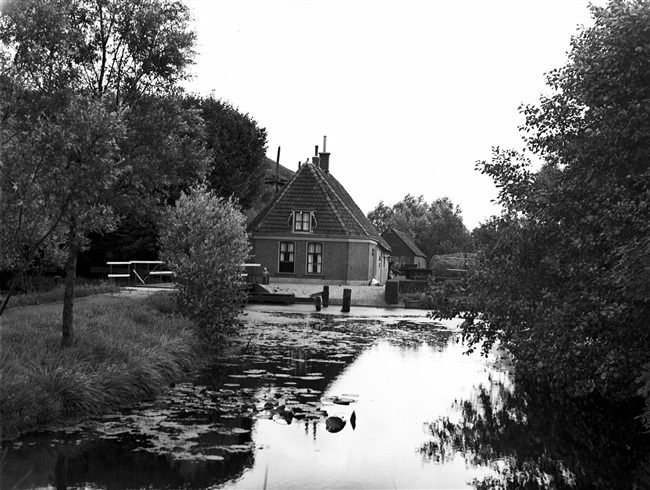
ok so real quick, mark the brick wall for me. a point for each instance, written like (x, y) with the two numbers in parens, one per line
(343, 262)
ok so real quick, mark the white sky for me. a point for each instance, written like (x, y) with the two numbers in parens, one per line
(409, 93)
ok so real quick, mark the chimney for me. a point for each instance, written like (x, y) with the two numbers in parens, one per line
(315, 160)
(325, 157)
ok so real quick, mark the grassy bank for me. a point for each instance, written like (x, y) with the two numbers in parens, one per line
(124, 352)
(56, 294)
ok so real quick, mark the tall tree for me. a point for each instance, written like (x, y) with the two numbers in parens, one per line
(563, 276)
(109, 59)
(437, 228)
(238, 146)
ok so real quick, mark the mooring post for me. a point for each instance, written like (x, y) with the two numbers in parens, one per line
(317, 301)
(326, 296)
(347, 297)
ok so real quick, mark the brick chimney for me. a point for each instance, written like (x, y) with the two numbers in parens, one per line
(325, 157)
(325, 162)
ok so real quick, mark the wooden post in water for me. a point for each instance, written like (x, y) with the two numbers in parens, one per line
(347, 297)
(326, 296)
(317, 301)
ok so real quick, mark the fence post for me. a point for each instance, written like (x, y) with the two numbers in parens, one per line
(326, 296)
(347, 298)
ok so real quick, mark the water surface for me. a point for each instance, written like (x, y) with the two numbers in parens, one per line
(372, 399)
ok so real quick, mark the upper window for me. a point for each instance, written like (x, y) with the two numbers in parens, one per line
(303, 221)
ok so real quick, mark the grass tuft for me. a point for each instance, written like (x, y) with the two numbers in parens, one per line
(123, 353)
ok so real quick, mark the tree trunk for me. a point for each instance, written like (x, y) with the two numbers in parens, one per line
(67, 337)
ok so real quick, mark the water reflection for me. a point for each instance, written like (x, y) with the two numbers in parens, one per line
(534, 440)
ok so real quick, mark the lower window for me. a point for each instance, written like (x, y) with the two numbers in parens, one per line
(287, 257)
(314, 258)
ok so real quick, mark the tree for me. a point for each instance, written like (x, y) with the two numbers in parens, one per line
(57, 171)
(204, 242)
(437, 228)
(238, 146)
(111, 59)
(234, 163)
(562, 279)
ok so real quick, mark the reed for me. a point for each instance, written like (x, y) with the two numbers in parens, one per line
(123, 353)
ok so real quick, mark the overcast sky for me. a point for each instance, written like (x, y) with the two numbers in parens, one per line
(409, 93)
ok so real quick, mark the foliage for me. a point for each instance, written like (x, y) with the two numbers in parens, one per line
(59, 169)
(121, 49)
(126, 351)
(238, 150)
(189, 137)
(91, 78)
(437, 228)
(562, 274)
(203, 240)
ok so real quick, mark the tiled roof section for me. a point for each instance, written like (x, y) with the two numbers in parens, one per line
(394, 236)
(312, 189)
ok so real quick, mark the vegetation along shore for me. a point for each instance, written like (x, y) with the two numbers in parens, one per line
(128, 349)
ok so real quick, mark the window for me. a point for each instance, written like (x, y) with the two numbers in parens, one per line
(302, 221)
(287, 257)
(314, 258)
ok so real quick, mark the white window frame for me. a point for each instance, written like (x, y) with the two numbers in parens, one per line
(291, 249)
(299, 221)
(319, 265)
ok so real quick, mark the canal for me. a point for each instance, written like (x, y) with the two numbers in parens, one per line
(371, 399)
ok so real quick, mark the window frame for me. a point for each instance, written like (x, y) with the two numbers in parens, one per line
(291, 250)
(302, 221)
(315, 254)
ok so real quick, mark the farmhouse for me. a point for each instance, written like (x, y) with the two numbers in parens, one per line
(313, 232)
(405, 253)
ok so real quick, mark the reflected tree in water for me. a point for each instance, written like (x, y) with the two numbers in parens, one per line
(531, 440)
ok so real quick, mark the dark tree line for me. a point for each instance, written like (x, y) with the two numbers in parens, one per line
(437, 227)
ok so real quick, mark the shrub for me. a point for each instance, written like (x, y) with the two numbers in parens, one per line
(204, 242)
